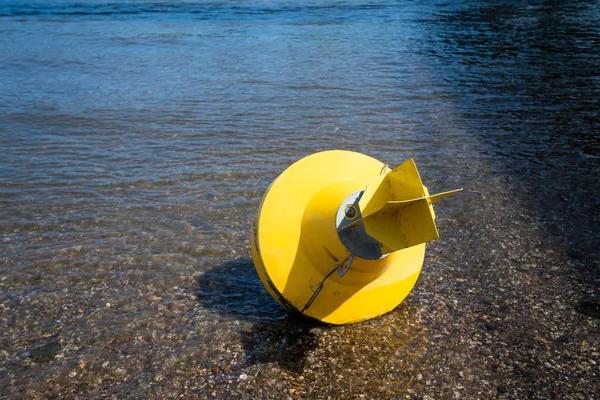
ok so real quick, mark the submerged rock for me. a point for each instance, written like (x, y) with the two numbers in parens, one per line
(589, 307)
(46, 352)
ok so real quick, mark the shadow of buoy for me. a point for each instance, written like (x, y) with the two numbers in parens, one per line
(233, 291)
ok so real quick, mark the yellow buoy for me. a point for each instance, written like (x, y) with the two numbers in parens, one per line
(340, 237)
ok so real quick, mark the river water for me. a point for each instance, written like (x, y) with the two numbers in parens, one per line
(137, 139)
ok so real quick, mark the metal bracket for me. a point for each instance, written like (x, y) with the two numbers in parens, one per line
(354, 236)
(341, 270)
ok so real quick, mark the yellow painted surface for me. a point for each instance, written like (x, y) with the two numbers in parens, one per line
(296, 248)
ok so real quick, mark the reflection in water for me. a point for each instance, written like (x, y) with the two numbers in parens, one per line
(286, 343)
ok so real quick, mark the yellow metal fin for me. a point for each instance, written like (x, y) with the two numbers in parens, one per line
(402, 183)
(440, 196)
(396, 208)
(401, 224)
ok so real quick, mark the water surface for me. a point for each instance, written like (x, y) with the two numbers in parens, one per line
(137, 139)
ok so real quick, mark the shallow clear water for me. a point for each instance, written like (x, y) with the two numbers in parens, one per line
(137, 139)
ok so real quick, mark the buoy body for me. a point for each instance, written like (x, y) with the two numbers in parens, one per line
(326, 240)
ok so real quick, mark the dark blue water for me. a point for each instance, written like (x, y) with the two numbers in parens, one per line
(137, 139)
